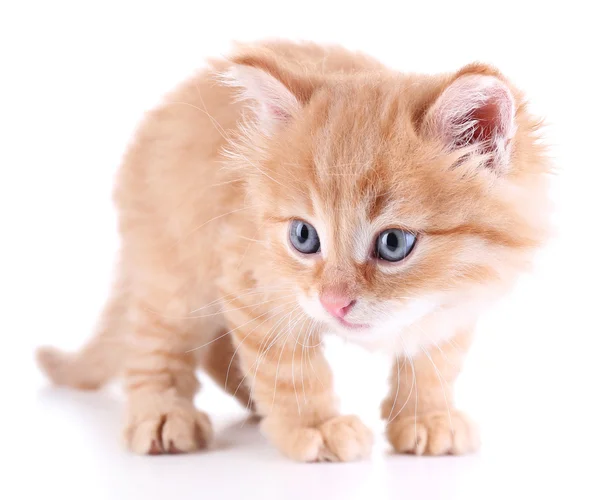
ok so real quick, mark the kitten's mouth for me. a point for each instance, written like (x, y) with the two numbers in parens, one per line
(352, 326)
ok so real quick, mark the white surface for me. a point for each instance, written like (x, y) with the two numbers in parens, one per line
(75, 81)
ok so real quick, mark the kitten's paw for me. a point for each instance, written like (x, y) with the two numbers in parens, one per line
(345, 439)
(436, 433)
(340, 439)
(158, 424)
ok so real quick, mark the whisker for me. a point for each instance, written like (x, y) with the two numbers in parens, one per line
(293, 362)
(313, 326)
(241, 326)
(237, 295)
(413, 385)
(262, 354)
(252, 331)
(397, 382)
(277, 371)
(259, 357)
(439, 375)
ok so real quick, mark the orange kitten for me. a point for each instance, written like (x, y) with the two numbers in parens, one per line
(294, 190)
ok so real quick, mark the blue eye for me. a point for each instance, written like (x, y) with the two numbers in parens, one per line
(394, 245)
(304, 237)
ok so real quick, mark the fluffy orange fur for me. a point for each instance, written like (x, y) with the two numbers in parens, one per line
(207, 276)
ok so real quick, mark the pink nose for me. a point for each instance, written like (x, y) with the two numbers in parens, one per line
(336, 305)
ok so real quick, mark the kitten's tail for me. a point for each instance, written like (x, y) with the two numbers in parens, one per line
(101, 359)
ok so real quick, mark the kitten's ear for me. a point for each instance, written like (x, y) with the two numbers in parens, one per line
(276, 92)
(475, 111)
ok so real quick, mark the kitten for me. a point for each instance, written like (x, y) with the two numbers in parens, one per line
(293, 190)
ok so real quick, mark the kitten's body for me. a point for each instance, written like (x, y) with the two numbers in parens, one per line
(340, 140)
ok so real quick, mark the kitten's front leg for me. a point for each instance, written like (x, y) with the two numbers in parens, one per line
(291, 384)
(420, 410)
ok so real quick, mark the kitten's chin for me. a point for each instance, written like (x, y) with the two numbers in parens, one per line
(347, 325)
(355, 331)
(367, 336)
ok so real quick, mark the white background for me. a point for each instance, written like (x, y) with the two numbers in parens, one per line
(75, 79)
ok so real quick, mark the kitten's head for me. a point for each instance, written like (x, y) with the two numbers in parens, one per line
(384, 197)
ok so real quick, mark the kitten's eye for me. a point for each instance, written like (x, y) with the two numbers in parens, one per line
(304, 237)
(394, 245)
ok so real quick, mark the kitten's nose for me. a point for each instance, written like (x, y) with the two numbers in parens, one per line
(336, 305)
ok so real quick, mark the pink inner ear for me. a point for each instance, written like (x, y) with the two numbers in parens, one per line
(271, 100)
(475, 109)
(486, 125)
(487, 122)
(277, 112)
